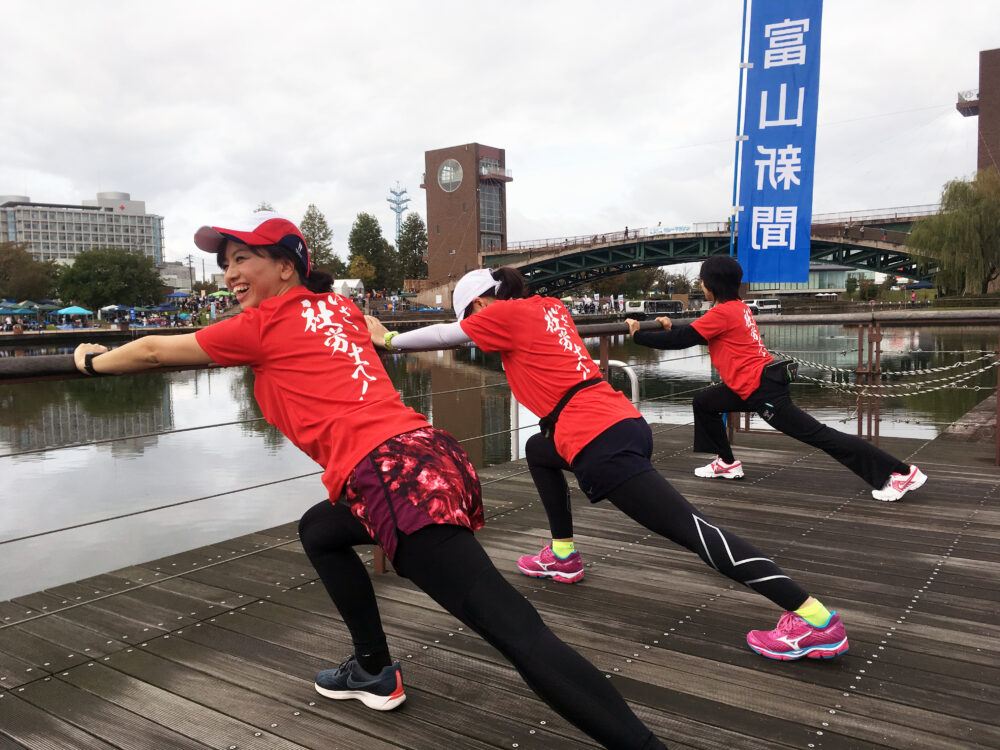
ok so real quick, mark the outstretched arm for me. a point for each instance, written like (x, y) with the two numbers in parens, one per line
(681, 337)
(145, 353)
(437, 336)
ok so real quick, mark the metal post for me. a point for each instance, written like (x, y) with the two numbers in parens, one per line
(878, 379)
(857, 373)
(605, 348)
(868, 395)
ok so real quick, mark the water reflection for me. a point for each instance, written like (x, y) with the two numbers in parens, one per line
(81, 451)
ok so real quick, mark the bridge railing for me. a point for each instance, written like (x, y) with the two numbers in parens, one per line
(900, 213)
(849, 218)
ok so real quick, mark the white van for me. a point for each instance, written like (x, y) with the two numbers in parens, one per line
(771, 306)
(654, 306)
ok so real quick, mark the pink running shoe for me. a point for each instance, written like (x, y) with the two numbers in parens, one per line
(899, 484)
(795, 638)
(546, 565)
(719, 469)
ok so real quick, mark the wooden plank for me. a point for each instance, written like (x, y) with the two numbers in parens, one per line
(102, 719)
(31, 727)
(186, 717)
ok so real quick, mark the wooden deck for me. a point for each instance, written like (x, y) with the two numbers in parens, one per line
(217, 648)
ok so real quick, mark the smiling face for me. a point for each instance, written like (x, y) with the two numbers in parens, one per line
(254, 276)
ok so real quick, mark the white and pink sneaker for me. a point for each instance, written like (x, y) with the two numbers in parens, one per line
(719, 469)
(899, 484)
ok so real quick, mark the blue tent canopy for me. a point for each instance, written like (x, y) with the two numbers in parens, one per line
(176, 295)
(73, 310)
(920, 285)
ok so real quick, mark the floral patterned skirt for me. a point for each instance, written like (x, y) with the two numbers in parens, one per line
(413, 480)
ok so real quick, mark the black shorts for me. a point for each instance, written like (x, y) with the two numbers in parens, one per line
(617, 454)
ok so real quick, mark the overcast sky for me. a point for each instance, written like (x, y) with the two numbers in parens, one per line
(611, 113)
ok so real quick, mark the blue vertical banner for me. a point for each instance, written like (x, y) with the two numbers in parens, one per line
(774, 213)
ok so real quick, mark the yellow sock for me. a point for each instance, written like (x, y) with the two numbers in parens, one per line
(815, 614)
(563, 549)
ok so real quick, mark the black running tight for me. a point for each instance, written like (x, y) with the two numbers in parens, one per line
(652, 501)
(453, 569)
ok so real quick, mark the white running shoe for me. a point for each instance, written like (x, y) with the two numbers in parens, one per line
(899, 484)
(719, 469)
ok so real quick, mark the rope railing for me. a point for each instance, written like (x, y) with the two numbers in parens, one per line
(58, 363)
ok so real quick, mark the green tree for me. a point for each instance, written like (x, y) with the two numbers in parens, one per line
(366, 241)
(22, 277)
(263, 206)
(851, 285)
(672, 283)
(360, 268)
(111, 275)
(204, 286)
(413, 247)
(319, 240)
(963, 241)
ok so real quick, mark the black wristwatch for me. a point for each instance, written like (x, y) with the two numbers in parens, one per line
(88, 362)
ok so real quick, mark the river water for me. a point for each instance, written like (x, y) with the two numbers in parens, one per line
(99, 474)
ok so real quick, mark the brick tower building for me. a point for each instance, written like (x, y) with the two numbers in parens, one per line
(466, 208)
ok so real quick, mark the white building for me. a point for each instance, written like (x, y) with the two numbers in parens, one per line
(177, 275)
(60, 232)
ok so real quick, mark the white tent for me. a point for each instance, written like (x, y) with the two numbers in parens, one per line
(348, 287)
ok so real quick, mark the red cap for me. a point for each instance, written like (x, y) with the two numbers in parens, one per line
(259, 228)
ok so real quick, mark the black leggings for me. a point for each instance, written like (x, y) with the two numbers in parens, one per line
(652, 501)
(773, 403)
(453, 569)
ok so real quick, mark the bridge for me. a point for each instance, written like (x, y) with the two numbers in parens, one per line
(870, 240)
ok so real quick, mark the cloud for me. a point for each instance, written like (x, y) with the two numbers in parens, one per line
(610, 114)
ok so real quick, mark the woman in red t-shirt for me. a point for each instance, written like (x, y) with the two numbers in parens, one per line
(753, 381)
(595, 432)
(406, 485)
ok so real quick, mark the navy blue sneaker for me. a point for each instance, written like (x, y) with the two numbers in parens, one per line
(349, 680)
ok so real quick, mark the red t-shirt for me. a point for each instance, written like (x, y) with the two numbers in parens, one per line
(318, 377)
(734, 345)
(543, 357)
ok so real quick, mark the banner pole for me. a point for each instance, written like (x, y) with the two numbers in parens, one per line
(739, 134)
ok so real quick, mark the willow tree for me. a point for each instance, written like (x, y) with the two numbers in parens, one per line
(963, 241)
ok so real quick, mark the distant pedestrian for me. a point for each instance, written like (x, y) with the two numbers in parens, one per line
(626, 231)
(862, 231)
(883, 234)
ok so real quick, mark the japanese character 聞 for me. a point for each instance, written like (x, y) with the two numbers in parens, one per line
(773, 226)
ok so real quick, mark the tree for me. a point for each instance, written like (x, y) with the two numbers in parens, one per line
(263, 206)
(111, 275)
(360, 268)
(319, 240)
(963, 241)
(851, 285)
(22, 277)
(204, 286)
(366, 241)
(413, 247)
(672, 283)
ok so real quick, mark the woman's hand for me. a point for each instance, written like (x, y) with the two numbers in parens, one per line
(84, 349)
(633, 325)
(377, 331)
(665, 322)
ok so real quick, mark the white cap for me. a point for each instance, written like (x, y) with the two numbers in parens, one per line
(470, 286)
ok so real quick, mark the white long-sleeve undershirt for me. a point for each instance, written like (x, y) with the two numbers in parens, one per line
(437, 336)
